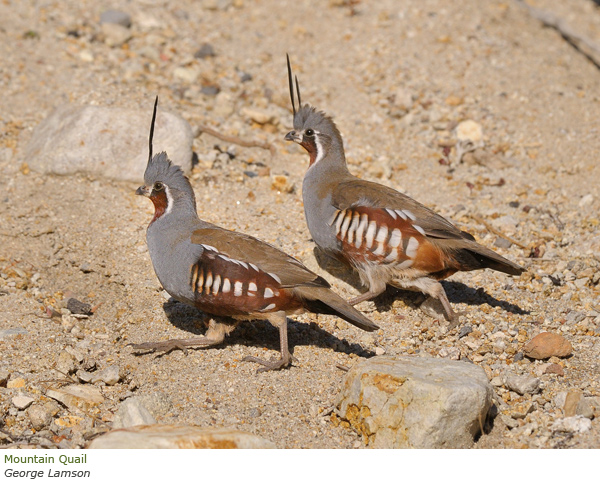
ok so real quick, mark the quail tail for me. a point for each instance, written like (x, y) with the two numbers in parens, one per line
(323, 300)
(475, 256)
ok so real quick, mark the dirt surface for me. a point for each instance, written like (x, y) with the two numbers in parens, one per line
(398, 77)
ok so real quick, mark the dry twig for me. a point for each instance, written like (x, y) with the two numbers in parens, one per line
(491, 228)
(235, 140)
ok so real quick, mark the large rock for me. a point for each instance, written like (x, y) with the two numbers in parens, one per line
(416, 402)
(106, 142)
(179, 437)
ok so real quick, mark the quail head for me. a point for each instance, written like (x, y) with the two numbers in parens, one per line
(229, 276)
(386, 236)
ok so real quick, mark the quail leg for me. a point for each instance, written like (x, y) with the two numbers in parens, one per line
(373, 292)
(279, 320)
(214, 336)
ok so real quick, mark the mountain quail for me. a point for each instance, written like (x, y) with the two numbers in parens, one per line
(386, 236)
(228, 275)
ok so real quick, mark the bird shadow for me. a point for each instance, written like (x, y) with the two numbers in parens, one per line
(457, 292)
(258, 333)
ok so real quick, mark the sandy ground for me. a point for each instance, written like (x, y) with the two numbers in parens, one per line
(398, 77)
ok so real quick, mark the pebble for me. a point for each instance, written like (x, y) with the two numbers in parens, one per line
(132, 412)
(11, 332)
(522, 384)
(414, 402)
(205, 50)
(80, 396)
(115, 17)
(39, 416)
(110, 376)
(547, 344)
(22, 402)
(169, 436)
(259, 116)
(469, 130)
(552, 368)
(115, 35)
(15, 383)
(66, 363)
(573, 424)
(282, 184)
(224, 105)
(85, 139)
(4, 375)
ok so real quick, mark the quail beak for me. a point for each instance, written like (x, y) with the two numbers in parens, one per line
(143, 190)
(293, 136)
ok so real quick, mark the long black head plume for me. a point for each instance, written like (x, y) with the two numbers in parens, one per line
(291, 83)
(152, 130)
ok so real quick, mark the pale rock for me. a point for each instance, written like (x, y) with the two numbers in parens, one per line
(573, 424)
(115, 17)
(186, 74)
(106, 142)
(65, 363)
(586, 200)
(77, 396)
(469, 130)
(224, 105)
(22, 402)
(167, 436)
(132, 412)
(415, 402)
(522, 384)
(259, 116)
(547, 344)
(110, 376)
(39, 416)
(115, 35)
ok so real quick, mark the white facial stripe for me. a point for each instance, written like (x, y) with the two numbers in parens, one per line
(169, 200)
(320, 152)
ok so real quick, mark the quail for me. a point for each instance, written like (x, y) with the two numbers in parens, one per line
(229, 276)
(386, 236)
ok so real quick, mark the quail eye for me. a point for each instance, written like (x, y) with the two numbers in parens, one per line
(158, 186)
(309, 132)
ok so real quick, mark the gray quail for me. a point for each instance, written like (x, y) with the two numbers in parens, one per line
(230, 276)
(386, 236)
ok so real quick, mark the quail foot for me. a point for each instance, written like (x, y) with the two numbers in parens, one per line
(229, 276)
(386, 236)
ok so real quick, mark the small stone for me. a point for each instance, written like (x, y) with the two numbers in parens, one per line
(454, 100)
(552, 368)
(205, 50)
(115, 17)
(11, 332)
(22, 402)
(210, 90)
(68, 421)
(168, 436)
(15, 383)
(282, 184)
(464, 331)
(110, 376)
(500, 242)
(132, 412)
(497, 381)
(379, 351)
(78, 396)
(115, 35)
(188, 75)
(547, 344)
(259, 116)
(39, 416)
(452, 353)
(586, 200)
(66, 363)
(84, 139)
(522, 384)
(224, 105)
(573, 424)
(522, 409)
(469, 130)
(78, 307)
(571, 402)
